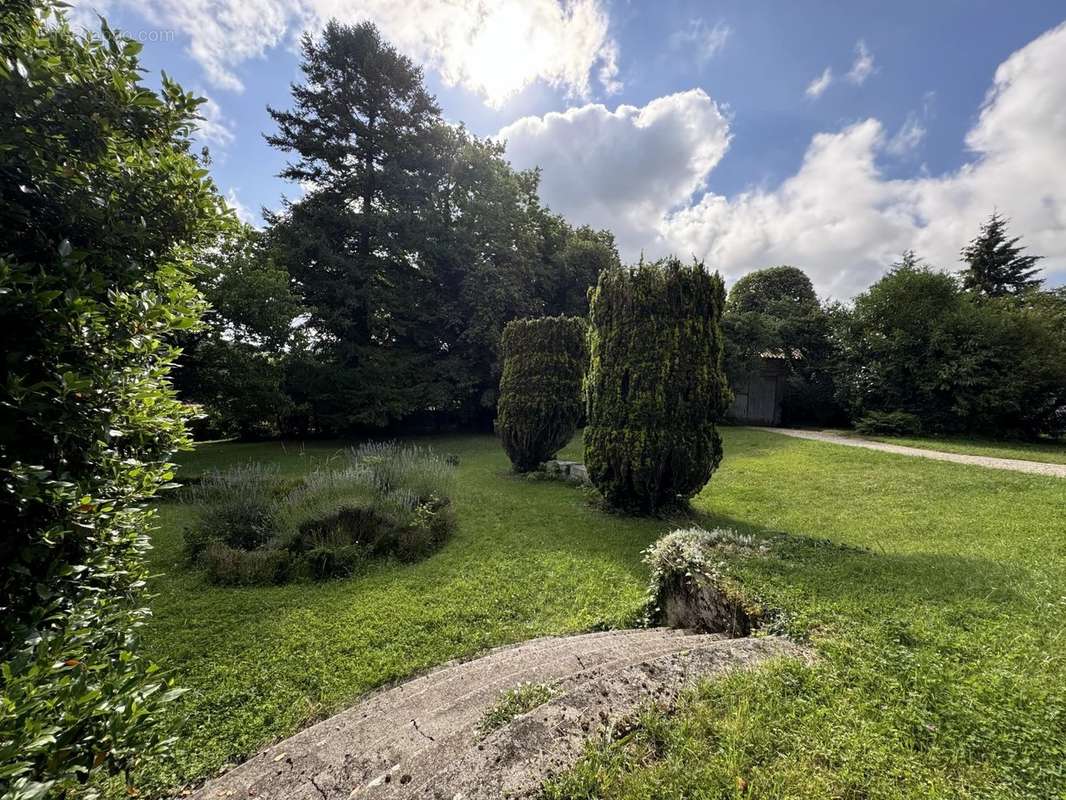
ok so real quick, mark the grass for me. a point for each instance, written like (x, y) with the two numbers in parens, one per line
(1049, 451)
(514, 703)
(934, 594)
(528, 558)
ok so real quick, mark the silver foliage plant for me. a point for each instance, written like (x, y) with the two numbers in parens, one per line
(692, 552)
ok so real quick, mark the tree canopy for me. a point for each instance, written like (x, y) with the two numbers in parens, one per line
(234, 366)
(413, 245)
(996, 264)
(776, 311)
(782, 291)
(917, 343)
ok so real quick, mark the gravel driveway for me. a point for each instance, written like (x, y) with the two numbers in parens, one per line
(1014, 464)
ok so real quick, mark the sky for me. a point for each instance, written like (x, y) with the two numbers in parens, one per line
(831, 136)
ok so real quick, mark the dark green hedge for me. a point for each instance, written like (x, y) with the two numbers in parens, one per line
(655, 386)
(540, 391)
(100, 205)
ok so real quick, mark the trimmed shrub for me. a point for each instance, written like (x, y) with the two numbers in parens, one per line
(889, 423)
(101, 205)
(655, 385)
(540, 390)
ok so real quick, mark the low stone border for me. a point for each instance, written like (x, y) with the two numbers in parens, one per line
(573, 471)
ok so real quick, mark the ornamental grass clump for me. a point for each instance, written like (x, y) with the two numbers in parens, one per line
(386, 501)
(239, 509)
(540, 390)
(655, 385)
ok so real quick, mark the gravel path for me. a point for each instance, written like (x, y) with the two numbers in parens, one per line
(1014, 464)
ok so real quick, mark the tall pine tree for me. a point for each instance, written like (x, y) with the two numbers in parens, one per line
(997, 266)
(363, 130)
(413, 245)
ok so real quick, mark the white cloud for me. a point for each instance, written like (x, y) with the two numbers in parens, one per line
(907, 138)
(820, 84)
(635, 171)
(494, 49)
(623, 169)
(608, 71)
(244, 214)
(705, 40)
(215, 128)
(863, 66)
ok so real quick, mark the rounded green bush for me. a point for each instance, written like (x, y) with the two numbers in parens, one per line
(655, 385)
(540, 391)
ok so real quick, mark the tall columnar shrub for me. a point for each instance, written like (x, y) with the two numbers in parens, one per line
(100, 203)
(655, 385)
(540, 391)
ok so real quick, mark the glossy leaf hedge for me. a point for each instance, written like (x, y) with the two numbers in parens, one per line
(655, 385)
(540, 390)
(100, 206)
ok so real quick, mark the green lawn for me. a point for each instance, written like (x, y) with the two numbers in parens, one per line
(1051, 452)
(529, 558)
(934, 593)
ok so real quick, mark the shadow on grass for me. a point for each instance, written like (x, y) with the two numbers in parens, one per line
(821, 571)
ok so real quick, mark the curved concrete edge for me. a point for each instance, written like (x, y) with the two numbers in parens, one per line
(515, 761)
(405, 740)
(391, 722)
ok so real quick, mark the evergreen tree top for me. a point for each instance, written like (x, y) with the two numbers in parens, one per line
(997, 266)
(362, 109)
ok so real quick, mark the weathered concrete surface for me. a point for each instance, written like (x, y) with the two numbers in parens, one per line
(419, 739)
(573, 471)
(1012, 464)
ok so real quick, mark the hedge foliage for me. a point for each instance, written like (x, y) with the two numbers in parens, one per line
(958, 362)
(100, 206)
(655, 386)
(540, 390)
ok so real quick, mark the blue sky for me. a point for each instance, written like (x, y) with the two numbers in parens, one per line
(830, 135)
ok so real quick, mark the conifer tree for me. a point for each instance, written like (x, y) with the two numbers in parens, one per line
(363, 131)
(655, 386)
(997, 266)
(540, 391)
